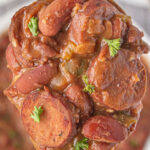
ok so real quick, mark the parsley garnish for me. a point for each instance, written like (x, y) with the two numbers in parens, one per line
(114, 46)
(33, 26)
(89, 87)
(36, 114)
(82, 145)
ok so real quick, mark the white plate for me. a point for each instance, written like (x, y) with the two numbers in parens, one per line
(5, 21)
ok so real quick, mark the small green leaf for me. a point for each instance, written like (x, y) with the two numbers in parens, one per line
(85, 79)
(82, 145)
(36, 114)
(33, 26)
(114, 46)
(89, 87)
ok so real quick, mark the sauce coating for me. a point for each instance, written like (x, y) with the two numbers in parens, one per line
(67, 69)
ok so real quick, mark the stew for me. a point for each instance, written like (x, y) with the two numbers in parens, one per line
(78, 80)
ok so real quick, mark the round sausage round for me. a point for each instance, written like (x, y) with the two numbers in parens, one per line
(56, 126)
(120, 82)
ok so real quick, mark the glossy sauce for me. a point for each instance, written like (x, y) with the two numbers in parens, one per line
(71, 49)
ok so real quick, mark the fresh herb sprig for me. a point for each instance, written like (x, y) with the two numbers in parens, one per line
(33, 26)
(82, 145)
(89, 87)
(114, 46)
(37, 113)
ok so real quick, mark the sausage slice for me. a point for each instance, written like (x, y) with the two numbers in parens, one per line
(76, 95)
(35, 78)
(89, 23)
(56, 125)
(104, 129)
(120, 82)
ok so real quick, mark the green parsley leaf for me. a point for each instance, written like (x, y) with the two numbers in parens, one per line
(36, 114)
(89, 87)
(82, 145)
(85, 79)
(114, 46)
(33, 26)
(134, 143)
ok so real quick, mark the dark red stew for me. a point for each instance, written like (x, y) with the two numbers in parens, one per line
(77, 80)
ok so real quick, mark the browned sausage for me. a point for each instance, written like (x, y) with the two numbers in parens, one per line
(11, 59)
(55, 16)
(56, 126)
(104, 129)
(35, 78)
(88, 23)
(76, 95)
(89, 18)
(120, 82)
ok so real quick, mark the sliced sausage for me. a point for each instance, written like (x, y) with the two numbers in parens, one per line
(88, 24)
(78, 30)
(35, 78)
(104, 129)
(76, 95)
(91, 16)
(120, 82)
(11, 59)
(53, 17)
(56, 126)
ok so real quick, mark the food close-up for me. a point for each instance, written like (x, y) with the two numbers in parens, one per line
(12, 133)
(76, 77)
